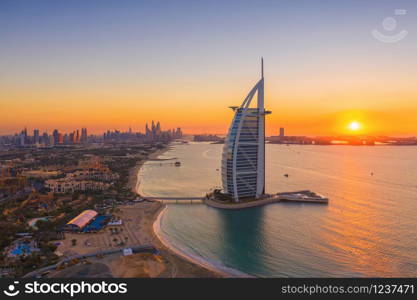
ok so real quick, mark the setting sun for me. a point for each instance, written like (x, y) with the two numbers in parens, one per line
(354, 126)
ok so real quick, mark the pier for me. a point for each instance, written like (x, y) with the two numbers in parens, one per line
(305, 196)
(135, 249)
(178, 200)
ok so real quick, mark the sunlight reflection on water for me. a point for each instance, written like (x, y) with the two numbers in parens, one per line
(368, 229)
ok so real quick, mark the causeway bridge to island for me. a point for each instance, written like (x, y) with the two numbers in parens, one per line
(177, 199)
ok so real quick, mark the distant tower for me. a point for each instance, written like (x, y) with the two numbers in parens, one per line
(281, 132)
(178, 133)
(55, 136)
(243, 160)
(73, 137)
(22, 139)
(36, 139)
(147, 131)
(45, 138)
(83, 135)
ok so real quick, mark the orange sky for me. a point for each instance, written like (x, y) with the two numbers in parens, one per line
(109, 66)
(303, 108)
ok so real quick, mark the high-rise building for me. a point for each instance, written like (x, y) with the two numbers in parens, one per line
(281, 132)
(243, 160)
(72, 137)
(55, 134)
(51, 140)
(178, 133)
(36, 139)
(83, 135)
(24, 137)
(147, 130)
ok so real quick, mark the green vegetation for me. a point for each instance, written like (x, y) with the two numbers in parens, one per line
(60, 208)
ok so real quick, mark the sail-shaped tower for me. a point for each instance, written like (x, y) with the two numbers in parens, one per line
(243, 160)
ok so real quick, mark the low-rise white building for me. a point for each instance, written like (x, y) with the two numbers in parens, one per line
(94, 175)
(67, 185)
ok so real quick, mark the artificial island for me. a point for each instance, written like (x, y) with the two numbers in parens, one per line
(243, 159)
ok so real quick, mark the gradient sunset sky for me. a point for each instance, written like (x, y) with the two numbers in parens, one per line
(111, 64)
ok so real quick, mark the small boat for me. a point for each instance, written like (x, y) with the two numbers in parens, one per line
(304, 197)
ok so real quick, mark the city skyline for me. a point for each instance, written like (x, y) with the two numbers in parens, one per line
(153, 133)
(116, 64)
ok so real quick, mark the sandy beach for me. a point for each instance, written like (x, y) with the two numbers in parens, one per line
(137, 229)
(183, 264)
(220, 271)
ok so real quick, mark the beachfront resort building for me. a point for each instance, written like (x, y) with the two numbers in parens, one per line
(21, 247)
(243, 160)
(66, 185)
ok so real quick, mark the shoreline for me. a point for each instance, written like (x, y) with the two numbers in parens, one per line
(195, 259)
(134, 184)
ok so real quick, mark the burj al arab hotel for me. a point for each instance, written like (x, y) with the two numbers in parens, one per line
(243, 160)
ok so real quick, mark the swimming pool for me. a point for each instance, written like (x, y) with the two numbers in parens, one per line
(97, 224)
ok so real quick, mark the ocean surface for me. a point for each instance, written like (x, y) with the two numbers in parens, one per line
(369, 228)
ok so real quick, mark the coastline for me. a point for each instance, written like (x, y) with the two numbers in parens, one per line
(133, 182)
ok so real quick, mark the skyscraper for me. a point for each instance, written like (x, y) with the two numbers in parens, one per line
(60, 138)
(83, 135)
(243, 160)
(36, 139)
(281, 132)
(45, 138)
(72, 137)
(55, 135)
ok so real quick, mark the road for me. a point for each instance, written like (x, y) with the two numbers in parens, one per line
(135, 249)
